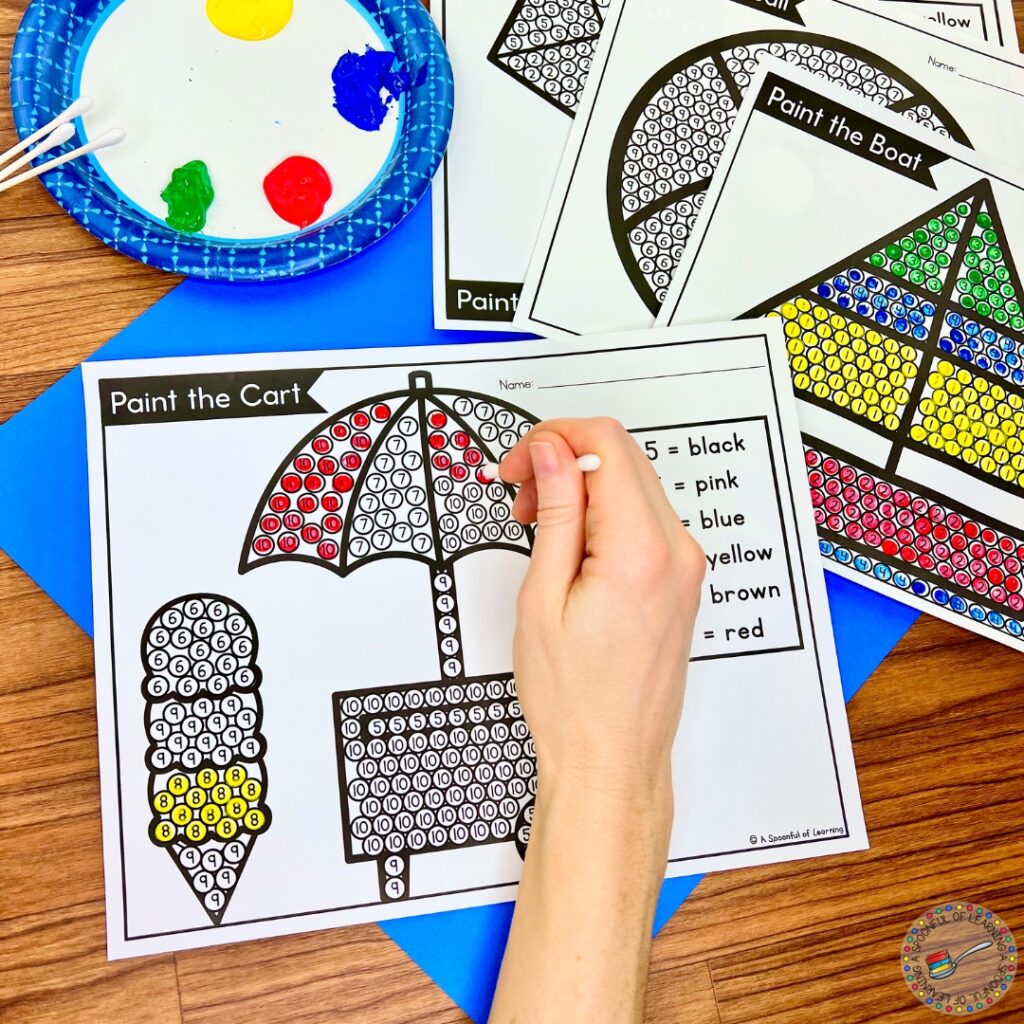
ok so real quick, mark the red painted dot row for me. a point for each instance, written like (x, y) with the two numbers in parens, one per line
(915, 530)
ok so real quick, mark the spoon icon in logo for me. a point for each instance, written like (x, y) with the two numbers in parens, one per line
(941, 966)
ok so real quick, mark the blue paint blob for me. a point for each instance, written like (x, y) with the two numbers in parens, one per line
(366, 85)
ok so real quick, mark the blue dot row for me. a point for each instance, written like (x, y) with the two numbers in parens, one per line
(896, 577)
(888, 306)
(984, 347)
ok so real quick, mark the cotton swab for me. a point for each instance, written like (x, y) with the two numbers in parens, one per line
(110, 138)
(586, 464)
(57, 137)
(82, 105)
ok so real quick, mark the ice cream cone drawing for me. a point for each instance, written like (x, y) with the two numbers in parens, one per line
(207, 782)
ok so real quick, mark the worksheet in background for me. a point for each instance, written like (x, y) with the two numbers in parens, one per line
(521, 66)
(305, 598)
(666, 85)
(895, 276)
(520, 73)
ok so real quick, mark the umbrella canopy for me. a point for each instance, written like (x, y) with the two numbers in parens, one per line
(397, 476)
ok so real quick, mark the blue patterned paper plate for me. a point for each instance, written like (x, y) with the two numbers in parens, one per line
(46, 55)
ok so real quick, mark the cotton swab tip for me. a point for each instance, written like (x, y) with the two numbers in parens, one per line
(59, 135)
(81, 106)
(586, 464)
(113, 137)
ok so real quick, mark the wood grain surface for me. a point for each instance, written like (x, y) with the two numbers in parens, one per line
(938, 735)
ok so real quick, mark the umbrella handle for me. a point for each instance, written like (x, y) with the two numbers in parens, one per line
(447, 627)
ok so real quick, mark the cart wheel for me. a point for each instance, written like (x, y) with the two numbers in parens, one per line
(523, 824)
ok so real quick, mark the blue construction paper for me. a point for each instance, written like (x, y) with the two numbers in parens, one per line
(381, 298)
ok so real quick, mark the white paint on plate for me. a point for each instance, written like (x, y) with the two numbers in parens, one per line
(183, 91)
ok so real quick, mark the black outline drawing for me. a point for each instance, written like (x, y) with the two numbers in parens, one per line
(550, 54)
(663, 176)
(401, 475)
(203, 719)
(975, 342)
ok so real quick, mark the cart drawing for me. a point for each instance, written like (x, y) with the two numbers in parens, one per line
(439, 765)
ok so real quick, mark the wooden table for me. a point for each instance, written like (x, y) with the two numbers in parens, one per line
(938, 734)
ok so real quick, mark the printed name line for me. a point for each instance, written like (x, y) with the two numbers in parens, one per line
(655, 376)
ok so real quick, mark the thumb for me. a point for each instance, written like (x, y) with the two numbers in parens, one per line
(560, 541)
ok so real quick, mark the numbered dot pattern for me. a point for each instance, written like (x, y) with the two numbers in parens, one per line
(199, 645)
(549, 46)
(207, 780)
(675, 143)
(984, 346)
(984, 284)
(974, 420)
(658, 241)
(679, 137)
(842, 361)
(206, 731)
(917, 544)
(923, 256)
(923, 115)
(436, 766)
(209, 804)
(311, 497)
(880, 301)
(471, 510)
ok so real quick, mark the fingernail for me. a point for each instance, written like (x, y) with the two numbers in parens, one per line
(544, 459)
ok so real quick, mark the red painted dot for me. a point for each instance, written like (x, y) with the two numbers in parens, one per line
(332, 524)
(311, 533)
(291, 483)
(483, 478)
(271, 524)
(263, 545)
(473, 457)
(381, 412)
(438, 440)
(815, 478)
(360, 420)
(307, 503)
(327, 465)
(322, 445)
(330, 502)
(847, 474)
(890, 547)
(361, 442)
(340, 431)
(995, 576)
(351, 461)
(988, 536)
(1013, 584)
(441, 461)
(902, 499)
(280, 502)
(958, 542)
(1006, 544)
(460, 439)
(328, 549)
(314, 482)
(972, 530)
(831, 467)
(343, 482)
(437, 419)
(288, 543)
(923, 526)
(298, 189)
(304, 463)
(293, 520)
(459, 472)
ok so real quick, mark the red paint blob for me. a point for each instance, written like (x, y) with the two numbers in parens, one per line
(298, 189)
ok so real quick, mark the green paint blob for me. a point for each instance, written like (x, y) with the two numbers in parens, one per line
(188, 195)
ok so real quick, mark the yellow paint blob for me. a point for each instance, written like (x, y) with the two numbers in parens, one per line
(251, 20)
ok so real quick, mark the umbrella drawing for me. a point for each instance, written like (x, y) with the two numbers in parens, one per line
(448, 763)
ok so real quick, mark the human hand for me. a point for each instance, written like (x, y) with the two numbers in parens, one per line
(606, 613)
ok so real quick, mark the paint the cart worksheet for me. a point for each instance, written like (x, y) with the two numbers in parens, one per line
(305, 588)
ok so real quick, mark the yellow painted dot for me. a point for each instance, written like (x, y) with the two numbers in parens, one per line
(236, 807)
(163, 802)
(251, 789)
(164, 832)
(221, 793)
(251, 20)
(177, 784)
(226, 828)
(196, 831)
(181, 815)
(255, 819)
(235, 775)
(195, 797)
(207, 778)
